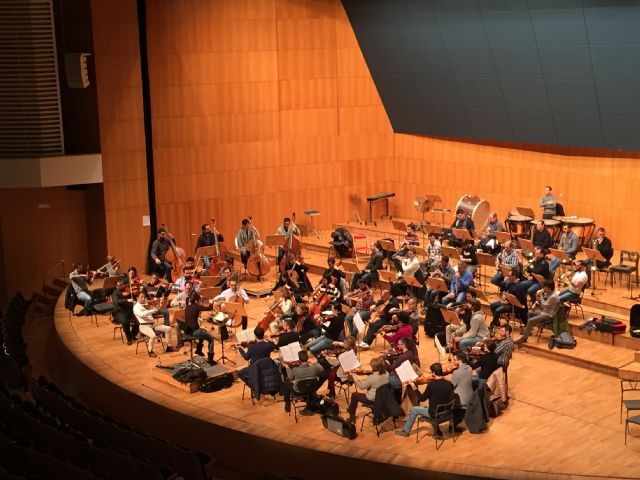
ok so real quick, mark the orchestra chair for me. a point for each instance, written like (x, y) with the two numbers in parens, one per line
(360, 245)
(144, 339)
(628, 265)
(635, 419)
(344, 386)
(301, 392)
(115, 329)
(444, 414)
(103, 308)
(183, 337)
(371, 410)
(577, 304)
(631, 404)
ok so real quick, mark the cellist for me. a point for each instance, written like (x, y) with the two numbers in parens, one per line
(159, 250)
(298, 267)
(235, 293)
(288, 230)
(207, 239)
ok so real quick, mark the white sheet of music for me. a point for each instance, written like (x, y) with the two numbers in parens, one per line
(358, 323)
(245, 336)
(405, 372)
(290, 352)
(348, 361)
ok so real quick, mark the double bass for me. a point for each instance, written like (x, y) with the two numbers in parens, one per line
(220, 252)
(175, 255)
(291, 245)
(258, 263)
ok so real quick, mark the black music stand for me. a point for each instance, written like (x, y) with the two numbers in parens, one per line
(594, 256)
(484, 260)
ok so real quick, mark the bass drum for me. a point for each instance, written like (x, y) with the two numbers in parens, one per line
(475, 207)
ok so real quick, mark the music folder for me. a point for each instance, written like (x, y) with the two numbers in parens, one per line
(348, 361)
(290, 352)
(405, 372)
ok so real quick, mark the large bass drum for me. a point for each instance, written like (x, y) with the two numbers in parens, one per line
(475, 207)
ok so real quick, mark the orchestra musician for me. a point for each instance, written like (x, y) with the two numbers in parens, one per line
(541, 237)
(457, 331)
(507, 257)
(363, 297)
(485, 364)
(80, 279)
(303, 371)
(406, 351)
(180, 300)
(603, 244)
(478, 329)
(378, 378)
(289, 334)
(434, 253)
(298, 266)
(411, 238)
(287, 229)
(538, 266)
(459, 285)
(404, 329)
(545, 308)
(383, 309)
(225, 274)
(305, 326)
(445, 271)
(330, 332)
(247, 232)
(409, 267)
(337, 371)
(488, 242)
(234, 291)
(370, 271)
(109, 269)
(568, 243)
(548, 203)
(438, 392)
(285, 281)
(192, 325)
(493, 225)
(187, 276)
(513, 286)
(147, 323)
(159, 250)
(332, 270)
(463, 222)
(207, 239)
(285, 306)
(578, 282)
(468, 255)
(157, 287)
(123, 312)
(260, 349)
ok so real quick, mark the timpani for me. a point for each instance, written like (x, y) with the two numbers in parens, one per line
(583, 228)
(519, 226)
(554, 227)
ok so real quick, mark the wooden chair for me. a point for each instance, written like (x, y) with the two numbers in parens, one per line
(628, 264)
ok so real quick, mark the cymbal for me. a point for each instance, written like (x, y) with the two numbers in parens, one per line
(421, 204)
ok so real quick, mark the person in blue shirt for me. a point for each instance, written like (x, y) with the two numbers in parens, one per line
(460, 283)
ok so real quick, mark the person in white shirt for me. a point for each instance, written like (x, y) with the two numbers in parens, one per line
(578, 281)
(235, 293)
(148, 327)
(180, 300)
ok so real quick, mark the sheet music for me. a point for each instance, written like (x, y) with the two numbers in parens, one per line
(348, 361)
(290, 352)
(358, 323)
(405, 372)
(245, 336)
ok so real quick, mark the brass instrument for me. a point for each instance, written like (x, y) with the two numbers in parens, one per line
(564, 280)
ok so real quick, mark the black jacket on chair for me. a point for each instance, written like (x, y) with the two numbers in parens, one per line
(264, 377)
(385, 405)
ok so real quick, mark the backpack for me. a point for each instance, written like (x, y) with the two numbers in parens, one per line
(564, 340)
(217, 383)
(339, 426)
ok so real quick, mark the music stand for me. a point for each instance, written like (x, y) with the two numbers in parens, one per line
(461, 233)
(312, 213)
(413, 282)
(502, 237)
(506, 271)
(431, 228)
(209, 281)
(433, 199)
(387, 246)
(210, 292)
(480, 294)
(526, 245)
(450, 252)
(560, 255)
(539, 278)
(110, 282)
(513, 300)
(450, 316)
(387, 276)
(484, 260)
(595, 256)
(232, 309)
(350, 269)
(418, 250)
(526, 212)
(400, 227)
(437, 284)
(275, 241)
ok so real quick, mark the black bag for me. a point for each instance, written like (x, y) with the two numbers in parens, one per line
(609, 325)
(564, 340)
(434, 321)
(339, 426)
(323, 405)
(190, 375)
(634, 321)
(217, 383)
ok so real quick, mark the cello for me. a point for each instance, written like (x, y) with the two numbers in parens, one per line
(258, 263)
(175, 255)
(217, 260)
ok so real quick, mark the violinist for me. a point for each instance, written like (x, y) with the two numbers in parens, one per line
(370, 271)
(404, 329)
(159, 250)
(192, 325)
(406, 352)
(123, 312)
(187, 276)
(288, 230)
(259, 349)
(332, 270)
(285, 281)
(331, 328)
(378, 378)
(109, 269)
(363, 297)
(80, 279)
(336, 371)
(235, 293)
(305, 326)
(180, 300)
(382, 308)
(207, 239)
(158, 287)
(247, 232)
(289, 335)
(148, 327)
(303, 371)
(227, 272)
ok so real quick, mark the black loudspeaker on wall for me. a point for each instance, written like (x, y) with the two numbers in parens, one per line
(76, 70)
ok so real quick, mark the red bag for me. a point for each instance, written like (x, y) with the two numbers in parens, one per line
(610, 325)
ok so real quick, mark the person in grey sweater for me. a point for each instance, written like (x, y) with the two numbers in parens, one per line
(547, 302)
(478, 329)
(548, 203)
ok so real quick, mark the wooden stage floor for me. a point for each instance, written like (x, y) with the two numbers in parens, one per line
(563, 421)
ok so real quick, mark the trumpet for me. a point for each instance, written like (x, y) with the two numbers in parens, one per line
(564, 280)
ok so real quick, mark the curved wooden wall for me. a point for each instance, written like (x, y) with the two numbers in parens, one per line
(267, 107)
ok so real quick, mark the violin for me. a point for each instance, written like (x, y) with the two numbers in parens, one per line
(258, 263)
(378, 311)
(175, 255)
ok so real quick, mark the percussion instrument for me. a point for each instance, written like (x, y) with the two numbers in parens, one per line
(554, 227)
(582, 226)
(519, 225)
(475, 207)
